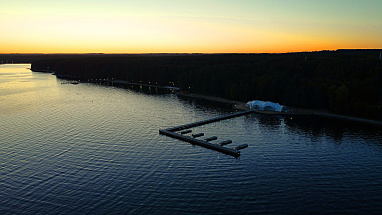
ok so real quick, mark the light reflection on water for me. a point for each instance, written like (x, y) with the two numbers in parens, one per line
(86, 148)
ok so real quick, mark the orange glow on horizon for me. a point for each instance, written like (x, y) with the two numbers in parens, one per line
(239, 26)
(283, 46)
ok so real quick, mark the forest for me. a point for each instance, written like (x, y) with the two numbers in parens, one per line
(345, 82)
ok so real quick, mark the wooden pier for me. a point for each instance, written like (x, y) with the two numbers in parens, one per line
(172, 132)
(195, 124)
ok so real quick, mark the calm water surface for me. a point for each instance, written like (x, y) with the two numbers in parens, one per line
(91, 149)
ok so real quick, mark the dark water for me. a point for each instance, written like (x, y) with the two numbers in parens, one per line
(90, 149)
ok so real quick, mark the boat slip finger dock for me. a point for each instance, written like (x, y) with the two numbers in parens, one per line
(183, 132)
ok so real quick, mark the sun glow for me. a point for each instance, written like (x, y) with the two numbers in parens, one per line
(184, 27)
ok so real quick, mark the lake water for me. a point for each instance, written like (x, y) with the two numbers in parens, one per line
(92, 149)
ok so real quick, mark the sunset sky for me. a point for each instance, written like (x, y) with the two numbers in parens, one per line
(188, 26)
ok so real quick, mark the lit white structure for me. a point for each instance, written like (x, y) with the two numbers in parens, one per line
(267, 106)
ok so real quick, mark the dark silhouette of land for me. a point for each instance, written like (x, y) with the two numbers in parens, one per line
(345, 82)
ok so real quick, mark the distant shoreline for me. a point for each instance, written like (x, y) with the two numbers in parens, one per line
(237, 104)
(342, 82)
(293, 111)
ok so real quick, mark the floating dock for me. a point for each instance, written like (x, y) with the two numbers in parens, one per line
(172, 132)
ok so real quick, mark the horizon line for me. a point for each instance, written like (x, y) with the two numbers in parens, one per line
(190, 53)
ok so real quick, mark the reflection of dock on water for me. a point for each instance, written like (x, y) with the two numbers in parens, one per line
(183, 135)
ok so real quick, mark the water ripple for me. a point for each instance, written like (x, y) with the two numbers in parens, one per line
(89, 149)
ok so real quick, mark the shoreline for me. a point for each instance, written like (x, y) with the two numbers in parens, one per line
(237, 105)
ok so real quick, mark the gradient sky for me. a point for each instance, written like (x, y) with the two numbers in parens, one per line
(188, 26)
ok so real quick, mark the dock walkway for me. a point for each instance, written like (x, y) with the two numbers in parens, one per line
(172, 132)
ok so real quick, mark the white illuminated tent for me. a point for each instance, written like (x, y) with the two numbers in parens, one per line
(267, 106)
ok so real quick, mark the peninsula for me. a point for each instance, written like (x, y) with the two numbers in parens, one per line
(346, 82)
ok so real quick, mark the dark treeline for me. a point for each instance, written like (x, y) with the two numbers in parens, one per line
(29, 58)
(345, 81)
